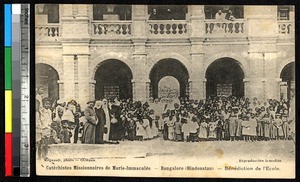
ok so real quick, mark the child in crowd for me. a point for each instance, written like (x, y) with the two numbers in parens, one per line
(178, 130)
(212, 135)
(193, 129)
(278, 124)
(285, 124)
(267, 126)
(185, 129)
(239, 127)
(246, 128)
(252, 127)
(203, 130)
(170, 124)
(46, 120)
(140, 131)
(80, 131)
(65, 134)
(131, 128)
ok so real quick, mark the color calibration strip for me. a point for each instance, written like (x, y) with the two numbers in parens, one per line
(17, 132)
(8, 88)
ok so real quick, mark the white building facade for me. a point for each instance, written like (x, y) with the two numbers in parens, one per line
(86, 51)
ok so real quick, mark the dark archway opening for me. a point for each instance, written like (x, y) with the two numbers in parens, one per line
(225, 77)
(169, 67)
(112, 12)
(113, 79)
(288, 76)
(167, 12)
(47, 77)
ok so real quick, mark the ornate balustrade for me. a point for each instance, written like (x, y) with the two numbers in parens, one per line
(160, 29)
(225, 28)
(49, 32)
(168, 28)
(111, 29)
(285, 27)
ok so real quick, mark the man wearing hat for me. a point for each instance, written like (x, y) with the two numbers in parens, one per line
(90, 125)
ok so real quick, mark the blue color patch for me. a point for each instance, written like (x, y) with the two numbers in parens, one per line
(7, 25)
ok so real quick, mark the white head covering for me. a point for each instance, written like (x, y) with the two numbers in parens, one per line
(98, 104)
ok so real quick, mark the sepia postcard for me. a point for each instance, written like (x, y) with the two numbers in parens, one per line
(165, 90)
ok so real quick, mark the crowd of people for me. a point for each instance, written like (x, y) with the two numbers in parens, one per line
(111, 121)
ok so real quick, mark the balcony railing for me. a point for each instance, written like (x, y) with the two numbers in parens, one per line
(111, 29)
(285, 27)
(225, 28)
(168, 28)
(49, 32)
(160, 29)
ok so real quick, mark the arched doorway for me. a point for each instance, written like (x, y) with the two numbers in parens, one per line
(47, 77)
(169, 67)
(225, 77)
(287, 87)
(113, 79)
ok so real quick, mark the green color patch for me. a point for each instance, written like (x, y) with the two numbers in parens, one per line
(8, 68)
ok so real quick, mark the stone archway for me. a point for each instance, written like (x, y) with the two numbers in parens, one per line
(169, 67)
(225, 77)
(47, 77)
(287, 85)
(113, 79)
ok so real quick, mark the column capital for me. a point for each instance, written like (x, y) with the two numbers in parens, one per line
(139, 41)
(92, 82)
(246, 80)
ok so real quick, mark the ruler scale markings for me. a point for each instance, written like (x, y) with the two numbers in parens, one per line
(25, 98)
(16, 80)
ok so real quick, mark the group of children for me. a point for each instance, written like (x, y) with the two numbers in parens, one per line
(219, 118)
(228, 120)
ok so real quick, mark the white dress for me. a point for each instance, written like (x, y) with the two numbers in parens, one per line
(147, 128)
(107, 118)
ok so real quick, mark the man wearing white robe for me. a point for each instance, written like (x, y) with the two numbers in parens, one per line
(107, 118)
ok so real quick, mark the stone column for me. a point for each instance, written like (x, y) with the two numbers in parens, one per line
(60, 89)
(92, 84)
(83, 78)
(197, 31)
(262, 33)
(148, 84)
(68, 75)
(270, 68)
(75, 38)
(247, 90)
(283, 88)
(140, 77)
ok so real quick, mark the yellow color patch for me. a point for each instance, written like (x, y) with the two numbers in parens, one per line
(8, 111)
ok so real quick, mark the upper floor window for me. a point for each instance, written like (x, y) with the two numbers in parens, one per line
(52, 10)
(224, 12)
(167, 12)
(283, 12)
(112, 12)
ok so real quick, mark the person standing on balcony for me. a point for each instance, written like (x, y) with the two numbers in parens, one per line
(229, 15)
(219, 16)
